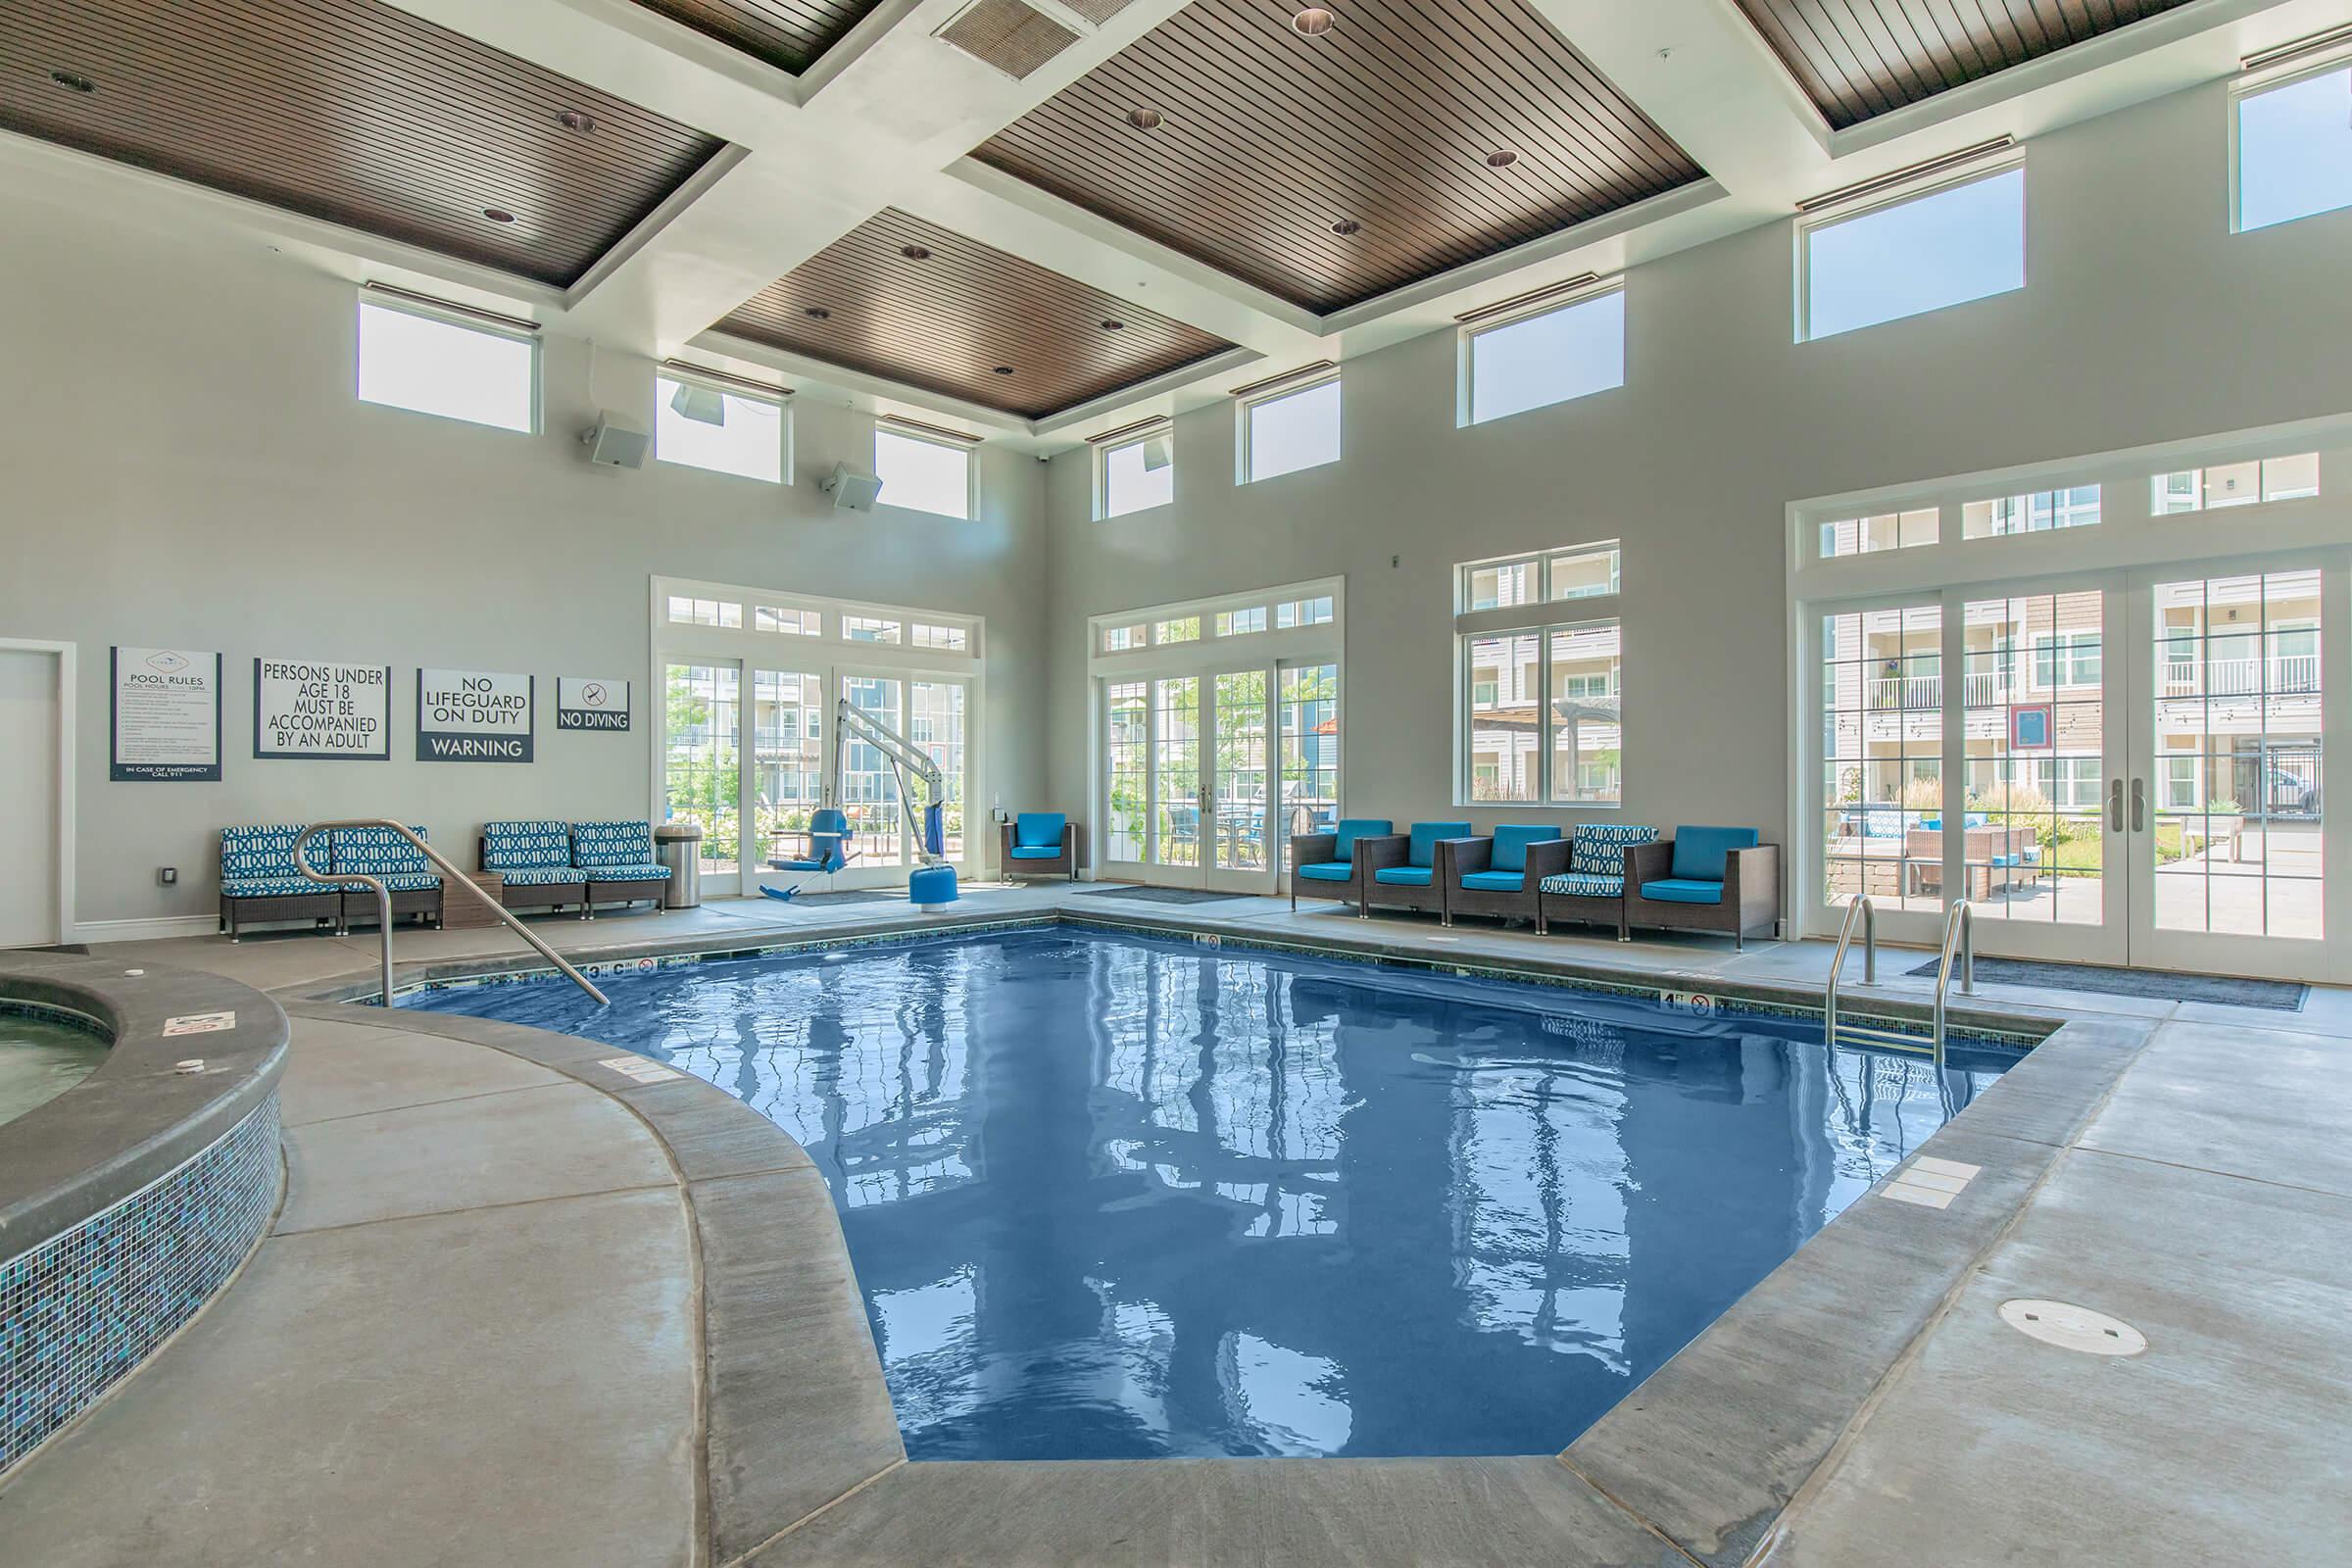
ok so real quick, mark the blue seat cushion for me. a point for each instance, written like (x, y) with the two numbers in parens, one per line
(1598, 849)
(1037, 852)
(1329, 871)
(1037, 830)
(1423, 850)
(525, 846)
(1584, 885)
(1683, 889)
(612, 843)
(1495, 881)
(545, 876)
(1701, 852)
(1510, 847)
(1404, 876)
(639, 871)
(1359, 827)
(274, 887)
(249, 853)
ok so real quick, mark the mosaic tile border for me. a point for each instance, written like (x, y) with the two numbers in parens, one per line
(1716, 1002)
(83, 1310)
(50, 1012)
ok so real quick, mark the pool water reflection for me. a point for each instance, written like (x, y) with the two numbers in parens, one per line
(1116, 1198)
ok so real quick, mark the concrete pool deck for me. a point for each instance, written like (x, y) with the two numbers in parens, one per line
(521, 1309)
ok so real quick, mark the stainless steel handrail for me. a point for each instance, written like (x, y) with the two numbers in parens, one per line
(1870, 957)
(384, 896)
(1959, 930)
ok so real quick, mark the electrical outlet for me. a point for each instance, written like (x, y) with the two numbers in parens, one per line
(167, 876)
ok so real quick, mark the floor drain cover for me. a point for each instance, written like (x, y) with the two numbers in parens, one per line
(2074, 1328)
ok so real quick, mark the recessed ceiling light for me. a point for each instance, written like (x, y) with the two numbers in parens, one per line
(573, 120)
(1312, 23)
(1501, 158)
(1346, 225)
(1144, 118)
(74, 80)
(1003, 369)
(1115, 326)
(916, 252)
(498, 215)
(819, 313)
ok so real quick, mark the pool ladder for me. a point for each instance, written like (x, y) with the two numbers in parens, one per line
(383, 898)
(1959, 939)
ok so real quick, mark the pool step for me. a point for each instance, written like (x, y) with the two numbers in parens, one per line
(1862, 1034)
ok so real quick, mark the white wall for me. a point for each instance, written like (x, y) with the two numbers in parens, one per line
(185, 465)
(2143, 319)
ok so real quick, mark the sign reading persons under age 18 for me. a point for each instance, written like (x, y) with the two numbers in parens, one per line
(166, 714)
(585, 703)
(465, 716)
(313, 708)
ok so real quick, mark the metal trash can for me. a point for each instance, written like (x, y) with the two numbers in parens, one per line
(679, 847)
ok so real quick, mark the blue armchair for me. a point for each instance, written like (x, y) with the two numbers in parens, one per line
(1324, 865)
(1400, 870)
(1040, 843)
(1705, 879)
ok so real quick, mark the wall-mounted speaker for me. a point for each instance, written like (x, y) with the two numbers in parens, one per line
(615, 442)
(852, 489)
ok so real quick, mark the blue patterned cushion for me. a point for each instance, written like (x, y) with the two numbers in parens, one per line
(248, 852)
(1599, 847)
(274, 887)
(1584, 885)
(544, 876)
(639, 871)
(378, 852)
(518, 845)
(397, 882)
(1402, 876)
(1495, 881)
(612, 843)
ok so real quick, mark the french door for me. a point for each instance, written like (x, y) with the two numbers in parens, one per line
(2116, 767)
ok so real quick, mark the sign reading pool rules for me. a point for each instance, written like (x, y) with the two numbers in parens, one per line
(313, 709)
(166, 717)
(585, 703)
(467, 716)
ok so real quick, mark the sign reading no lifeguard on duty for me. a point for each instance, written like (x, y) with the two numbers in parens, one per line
(465, 716)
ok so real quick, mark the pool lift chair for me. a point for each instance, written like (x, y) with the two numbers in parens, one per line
(933, 884)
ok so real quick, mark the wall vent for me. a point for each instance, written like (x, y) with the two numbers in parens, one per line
(1008, 35)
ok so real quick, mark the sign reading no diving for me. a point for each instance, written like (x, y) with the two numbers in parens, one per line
(585, 703)
(469, 716)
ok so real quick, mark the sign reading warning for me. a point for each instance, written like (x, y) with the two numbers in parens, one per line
(585, 703)
(312, 708)
(467, 715)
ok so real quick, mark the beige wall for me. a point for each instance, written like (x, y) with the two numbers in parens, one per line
(185, 465)
(2143, 319)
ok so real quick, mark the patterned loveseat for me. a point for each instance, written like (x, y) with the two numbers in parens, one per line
(617, 860)
(409, 878)
(534, 857)
(1592, 891)
(260, 881)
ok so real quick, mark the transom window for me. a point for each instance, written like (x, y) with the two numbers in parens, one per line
(428, 363)
(1579, 572)
(1240, 622)
(1293, 613)
(702, 425)
(1963, 241)
(790, 622)
(868, 629)
(2236, 484)
(689, 612)
(1177, 630)
(2294, 148)
(952, 638)
(1119, 639)
(2075, 507)
(922, 472)
(1137, 473)
(1886, 530)
(1534, 360)
(1294, 428)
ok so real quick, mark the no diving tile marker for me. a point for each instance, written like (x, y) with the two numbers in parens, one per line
(643, 1069)
(1931, 1183)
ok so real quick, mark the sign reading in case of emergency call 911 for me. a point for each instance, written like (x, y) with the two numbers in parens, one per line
(165, 706)
(585, 703)
(306, 707)
(465, 716)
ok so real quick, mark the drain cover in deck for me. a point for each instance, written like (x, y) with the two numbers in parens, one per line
(2074, 1328)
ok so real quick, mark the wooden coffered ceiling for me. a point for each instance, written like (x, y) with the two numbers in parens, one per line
(1266, 139)
(788, 34)
(352, 112)
(948, 315)
(1859, 57)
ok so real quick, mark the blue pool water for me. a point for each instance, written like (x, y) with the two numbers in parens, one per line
(1117, 1197)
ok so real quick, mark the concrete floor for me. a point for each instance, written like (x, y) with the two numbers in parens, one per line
(486, 1327)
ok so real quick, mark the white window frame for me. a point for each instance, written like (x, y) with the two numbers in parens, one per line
(777, 398)
(909, 430)
(482, 322)
(1466, 403)
(1537, 617)
(1903, 196)
(1157, 430)
(1243, 403)
(2256, 84)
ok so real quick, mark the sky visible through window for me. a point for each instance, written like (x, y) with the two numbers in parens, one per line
(415, 361)
(1567, 353)
(748, 440)
(1298, 431)
(1962, 243)
(1130, 483)
(924, 476)
(2294, 150)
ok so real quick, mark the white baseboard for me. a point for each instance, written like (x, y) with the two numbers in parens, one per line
(150, 930)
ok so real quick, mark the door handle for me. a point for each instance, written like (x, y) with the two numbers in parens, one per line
(2115, 805)
(2139, 805)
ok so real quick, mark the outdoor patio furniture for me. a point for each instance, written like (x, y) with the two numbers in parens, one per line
(1324, 865)
(1040, 843)
(1704, 879)
(1400, 870)
(1499, 874)
(410, 881)
(1592, 890)
(617, 860)
(533, 860)
(260, 881)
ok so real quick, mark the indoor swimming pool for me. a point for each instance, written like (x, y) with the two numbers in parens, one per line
(41, 1057)
(1112, 1196)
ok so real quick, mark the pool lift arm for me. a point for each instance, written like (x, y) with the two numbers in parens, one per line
(829, 831)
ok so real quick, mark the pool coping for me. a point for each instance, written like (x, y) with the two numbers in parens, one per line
(801, 1452)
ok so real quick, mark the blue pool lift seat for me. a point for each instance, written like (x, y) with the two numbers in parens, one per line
(1326, 866)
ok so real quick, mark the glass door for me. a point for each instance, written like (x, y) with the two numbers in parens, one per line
(788, 775)
(1239, 800)
(869, 785)
(701, 762)
(1308, 719)
(1173, 849)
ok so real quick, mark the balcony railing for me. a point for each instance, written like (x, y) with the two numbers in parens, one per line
(2288, 674)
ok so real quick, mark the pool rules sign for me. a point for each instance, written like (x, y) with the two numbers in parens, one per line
(306, 707)
(467, 715)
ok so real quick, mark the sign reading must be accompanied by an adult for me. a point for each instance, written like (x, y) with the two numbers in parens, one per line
(309, 708)
(470, 716)
(165, 716)
(585, 703)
